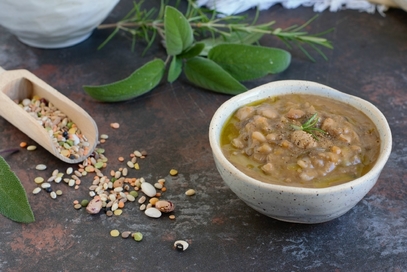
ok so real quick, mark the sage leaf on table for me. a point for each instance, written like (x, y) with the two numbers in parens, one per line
(193, 51)
(178, 31)
(138, 83)
(175, 69)
(14, 202)
(176, 65)
(247, 62)
(235, 37)
(207, 74)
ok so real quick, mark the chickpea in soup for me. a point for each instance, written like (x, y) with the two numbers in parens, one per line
(301, 140)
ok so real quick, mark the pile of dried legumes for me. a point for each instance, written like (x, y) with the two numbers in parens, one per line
(108, 194)
(66, 136)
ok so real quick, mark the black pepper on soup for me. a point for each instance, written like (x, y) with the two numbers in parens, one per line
(301, 140)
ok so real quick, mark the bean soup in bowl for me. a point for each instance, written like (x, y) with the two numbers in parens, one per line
(299, 151)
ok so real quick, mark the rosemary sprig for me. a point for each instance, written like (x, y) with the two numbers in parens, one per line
(310, 126)
(207, 24)
(216, 53)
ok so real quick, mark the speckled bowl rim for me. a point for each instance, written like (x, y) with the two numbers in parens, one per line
(299, 86)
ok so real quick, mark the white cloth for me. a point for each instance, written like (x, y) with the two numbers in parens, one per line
(229, 7)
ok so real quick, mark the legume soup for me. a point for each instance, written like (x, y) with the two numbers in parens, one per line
(301, 140)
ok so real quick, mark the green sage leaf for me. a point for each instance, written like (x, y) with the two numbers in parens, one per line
(138, 83)
(175, 69)
(237, 37)
(207, 74)
(193, 51)
(247, 62)
(14, 203)
(178, 31)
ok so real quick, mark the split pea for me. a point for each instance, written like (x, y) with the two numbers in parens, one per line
(134, 193)
(84, 203)
(173, 172)
(153, 200)
(90, 169)
(118, 212)
(39, 180)
(114, 233)
(137, 236)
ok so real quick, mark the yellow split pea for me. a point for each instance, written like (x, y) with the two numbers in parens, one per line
(114, 233)
(173, 172)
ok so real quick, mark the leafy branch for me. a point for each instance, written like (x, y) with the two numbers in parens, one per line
(141, 24)
(215, 53)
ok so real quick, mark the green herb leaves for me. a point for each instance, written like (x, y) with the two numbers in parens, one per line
(14, 202)
(140, 82)
(207, 74)
(217, 66)
(310, 126)
(178, 32)
(247, 62)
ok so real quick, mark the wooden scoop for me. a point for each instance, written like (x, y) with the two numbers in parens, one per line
(20, 84)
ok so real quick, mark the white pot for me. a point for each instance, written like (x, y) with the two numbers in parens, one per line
(53, 23)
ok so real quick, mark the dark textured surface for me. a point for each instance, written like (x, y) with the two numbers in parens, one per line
(171, 123)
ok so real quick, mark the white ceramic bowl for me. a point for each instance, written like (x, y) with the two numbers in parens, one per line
(294, 204)
(53, 23)
(402, 4)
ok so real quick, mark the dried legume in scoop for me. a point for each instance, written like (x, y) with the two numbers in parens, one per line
(66, 136)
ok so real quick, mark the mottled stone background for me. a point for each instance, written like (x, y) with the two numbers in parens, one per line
(171, 122)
